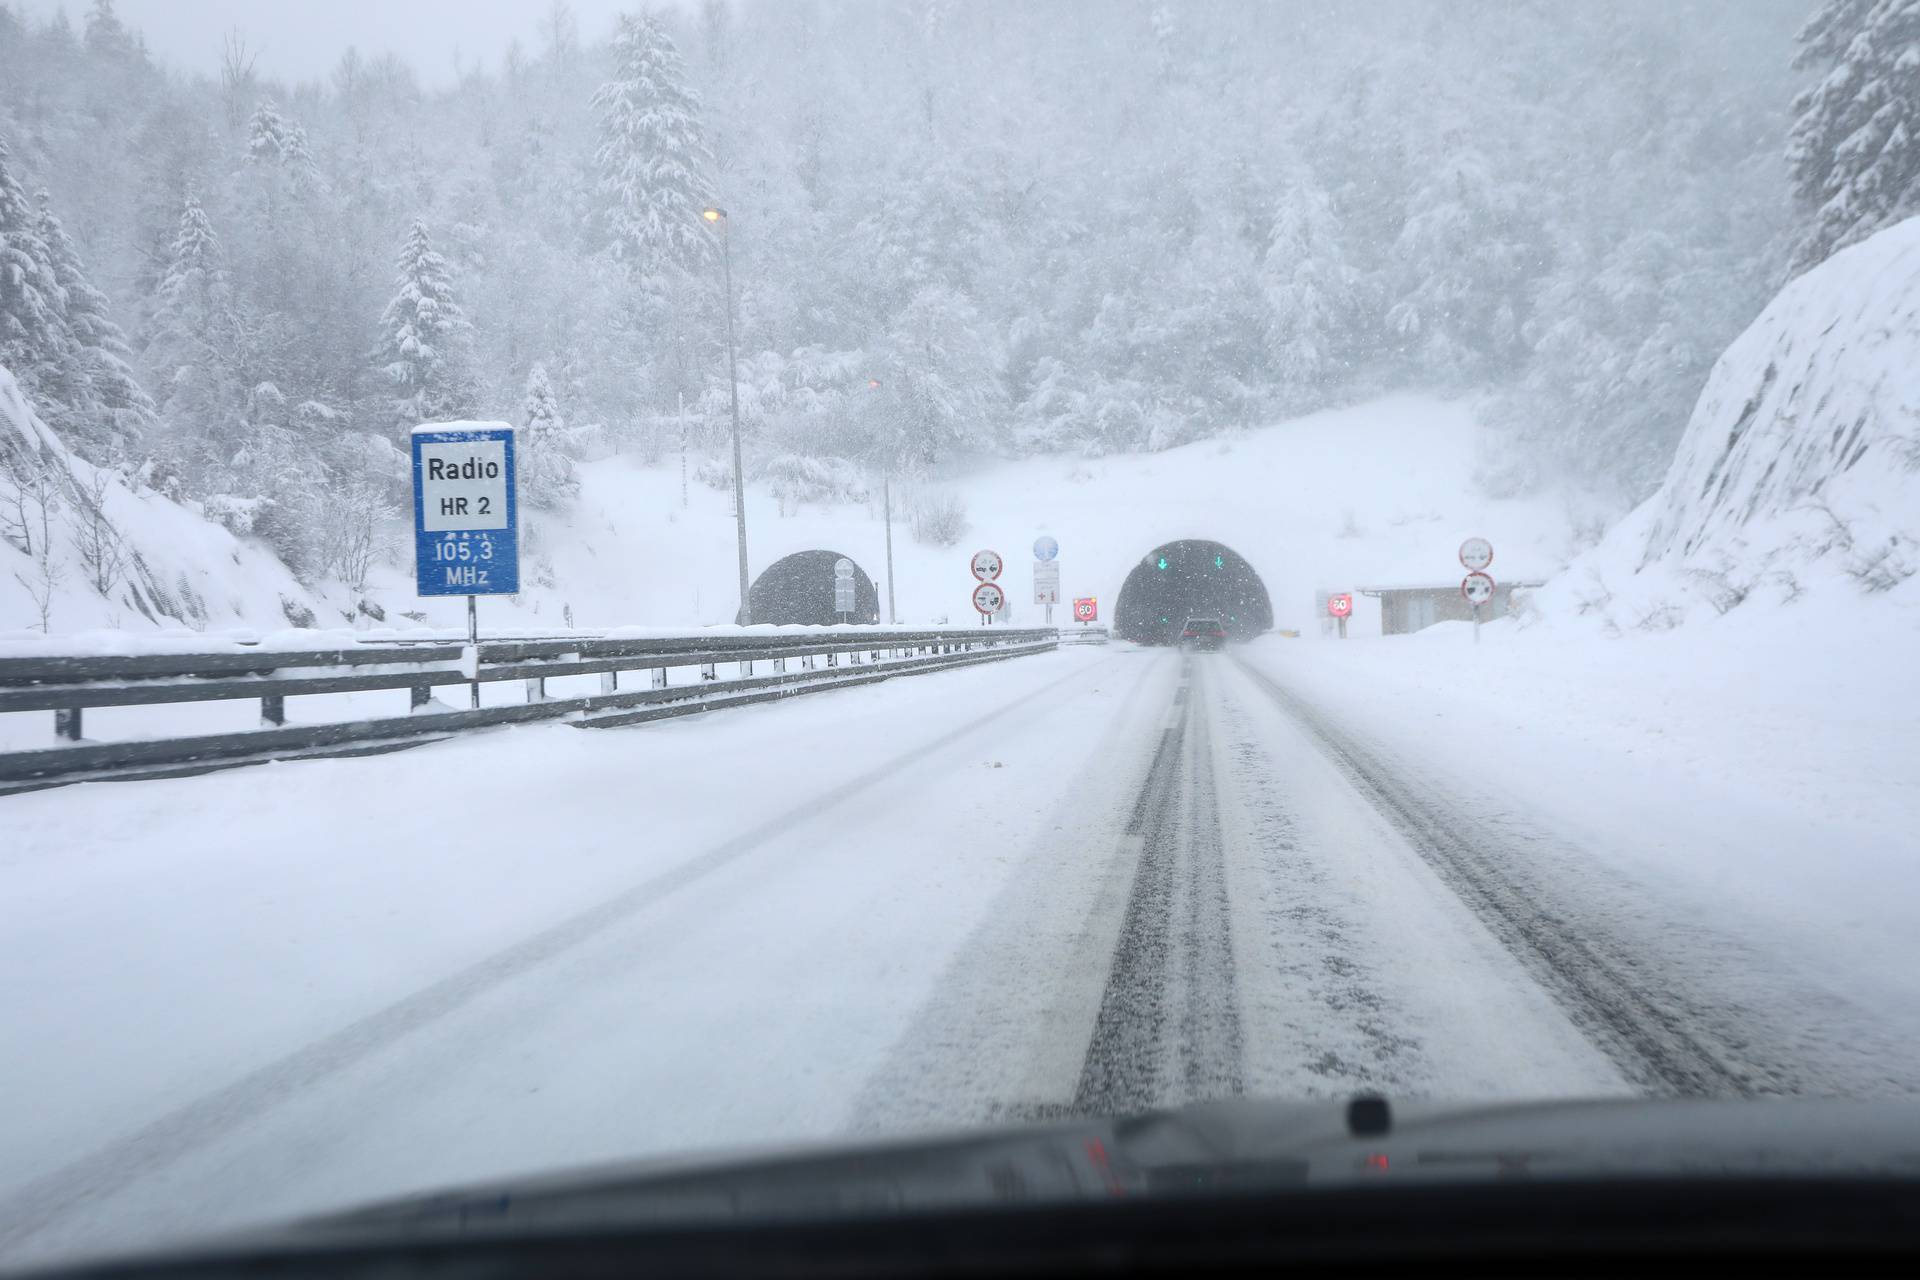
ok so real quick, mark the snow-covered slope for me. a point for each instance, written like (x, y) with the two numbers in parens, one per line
(1798, 478)
(164, 566)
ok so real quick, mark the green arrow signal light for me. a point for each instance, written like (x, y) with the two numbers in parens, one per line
(1163, 562)
(1219, 562)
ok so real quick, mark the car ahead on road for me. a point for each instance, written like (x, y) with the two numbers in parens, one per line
(1366, 1187)
(1203, 633)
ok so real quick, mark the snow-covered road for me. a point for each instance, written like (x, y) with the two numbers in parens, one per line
(1103, 878)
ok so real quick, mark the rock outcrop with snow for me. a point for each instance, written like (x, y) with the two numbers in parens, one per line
(1800, 468)
(81, 548)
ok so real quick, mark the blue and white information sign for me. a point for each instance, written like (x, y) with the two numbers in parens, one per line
(466, 513)
(1045, 547)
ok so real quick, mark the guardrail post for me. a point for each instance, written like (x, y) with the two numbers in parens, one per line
(419, 696)
(537, 689)
(659, 677)
(833, 659)
(746, 668)
(273, 711)
(807, 661)
(709, 671)
(780, 666)
(609, 681)
(66, 723)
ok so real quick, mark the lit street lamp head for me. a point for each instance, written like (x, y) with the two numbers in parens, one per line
(713, 215)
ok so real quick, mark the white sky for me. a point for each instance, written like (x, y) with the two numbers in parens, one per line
(302, 39)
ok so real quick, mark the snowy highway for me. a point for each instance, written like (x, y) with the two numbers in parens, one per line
(1099, 880)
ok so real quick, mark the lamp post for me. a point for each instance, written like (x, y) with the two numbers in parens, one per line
(718, 216)
(886, 498)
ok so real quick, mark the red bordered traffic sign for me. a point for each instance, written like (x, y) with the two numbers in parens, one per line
(1477, 588)
(1476, 554)
(988, 598)
(987, 565)
(1086, 608)
(1340, 604)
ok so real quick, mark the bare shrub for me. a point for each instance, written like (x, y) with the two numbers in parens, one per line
(938, 519)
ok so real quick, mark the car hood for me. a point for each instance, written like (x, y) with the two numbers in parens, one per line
(1237, 1145)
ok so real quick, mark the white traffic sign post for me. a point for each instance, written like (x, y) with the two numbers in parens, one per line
(1046, 585)
(1340, 607)
(989, 599)
(843, 588)
(1475, 555)
(986, 566)
(466, 516)
(1477, 587)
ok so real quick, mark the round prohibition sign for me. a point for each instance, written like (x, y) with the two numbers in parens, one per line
(1477, 588)
(987, 565)
(988, 598)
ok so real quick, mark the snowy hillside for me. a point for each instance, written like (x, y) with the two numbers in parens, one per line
(80, 550)
(1381, 492)
(1799, 474)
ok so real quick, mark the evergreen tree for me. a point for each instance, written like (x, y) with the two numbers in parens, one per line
(940, 377)
(104, 400)
(192, 333)
(549, 471)
(106, 35)
(1311, 292)
(653, 157)
(1854, 151)
(425, 353)
(33, 330)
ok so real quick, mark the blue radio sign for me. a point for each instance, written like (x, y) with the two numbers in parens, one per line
(466, 517)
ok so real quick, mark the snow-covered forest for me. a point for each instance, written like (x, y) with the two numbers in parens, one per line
(954, 228)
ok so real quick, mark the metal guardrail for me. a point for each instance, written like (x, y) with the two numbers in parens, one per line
(67, 686)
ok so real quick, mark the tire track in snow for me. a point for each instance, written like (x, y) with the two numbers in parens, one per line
(1168, 1030)
(1659, 1038)
(150, 1149)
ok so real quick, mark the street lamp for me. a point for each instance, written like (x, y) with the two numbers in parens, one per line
(886, 491)
(717, 215)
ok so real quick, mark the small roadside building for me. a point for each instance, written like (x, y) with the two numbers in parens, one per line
(1404, 610)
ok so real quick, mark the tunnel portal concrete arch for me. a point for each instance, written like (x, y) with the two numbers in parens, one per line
(1191, 578)
(799, 589)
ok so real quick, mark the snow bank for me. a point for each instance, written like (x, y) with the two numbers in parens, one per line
(163, 565)
(1799, 473)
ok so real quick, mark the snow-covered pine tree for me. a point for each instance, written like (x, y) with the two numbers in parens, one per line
(549, 471)
(277, 143)
(1465, 259)
(940, 372)
(104, 405)
(1854, 151)
(1311, 291)
(191, 333)
(424, 352)
(653, 157)
(33, 329)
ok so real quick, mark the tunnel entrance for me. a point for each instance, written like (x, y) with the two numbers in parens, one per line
(799, 589)
(1192, 578)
